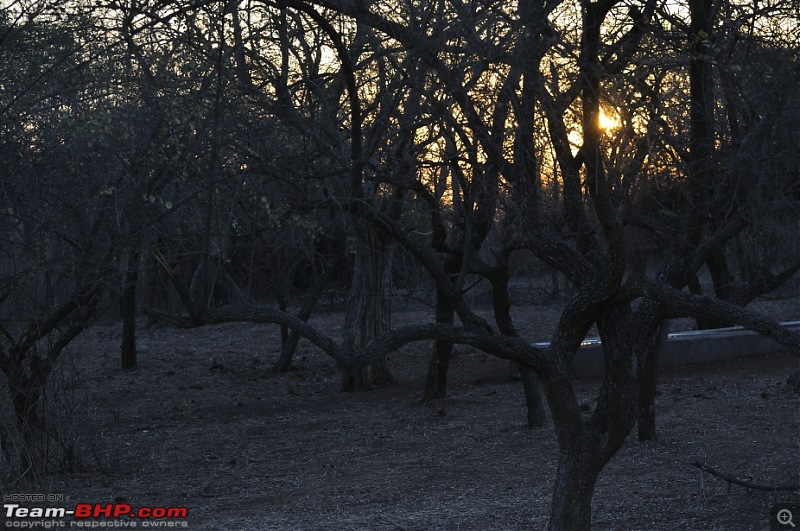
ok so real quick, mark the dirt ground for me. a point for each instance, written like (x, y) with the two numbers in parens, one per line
(203, 424)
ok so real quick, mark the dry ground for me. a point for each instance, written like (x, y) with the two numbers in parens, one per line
(201, 423)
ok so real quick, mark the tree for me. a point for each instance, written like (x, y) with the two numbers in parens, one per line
(626, 302)
(490, 116)
(58, 243)
(597, 262)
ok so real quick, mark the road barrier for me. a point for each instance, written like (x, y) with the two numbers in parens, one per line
(683, 348)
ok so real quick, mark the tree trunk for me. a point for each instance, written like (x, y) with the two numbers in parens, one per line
(283, 305)
(586, 446)
(127, 307)
(288, 348)
(436, 383)
(26, 393)
(648, 383)
(571, 508)
(369, 309)
(289, 345)
(722, 281)
(702, 166)
(537, 418)
(499, 278)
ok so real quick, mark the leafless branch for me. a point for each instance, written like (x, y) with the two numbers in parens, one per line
(681, 303)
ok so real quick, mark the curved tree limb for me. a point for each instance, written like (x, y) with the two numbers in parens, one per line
(257, 314)
(680, 303)
(505, 347)
(428, 261)
(763, 283)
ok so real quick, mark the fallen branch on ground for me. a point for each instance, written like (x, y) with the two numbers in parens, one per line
(742, 482)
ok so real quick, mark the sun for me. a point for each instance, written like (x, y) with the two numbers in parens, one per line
(608, 121)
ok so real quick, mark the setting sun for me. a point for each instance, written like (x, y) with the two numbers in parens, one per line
(608, 123)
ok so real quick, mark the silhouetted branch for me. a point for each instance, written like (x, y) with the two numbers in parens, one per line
(183, 294)
(764, 283)
(682, 304)
(257, 314)
(505, 347)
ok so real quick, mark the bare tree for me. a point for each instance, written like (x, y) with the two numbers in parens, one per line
(490, 115)
(628, 310)
(58, 237)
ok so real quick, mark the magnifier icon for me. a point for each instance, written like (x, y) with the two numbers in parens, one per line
(785, 517)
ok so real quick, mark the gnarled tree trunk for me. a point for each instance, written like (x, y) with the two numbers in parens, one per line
(499, 277)
(436, 382)
(571, 508)
(369, 305)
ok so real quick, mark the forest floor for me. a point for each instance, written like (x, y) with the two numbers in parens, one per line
(202, 423)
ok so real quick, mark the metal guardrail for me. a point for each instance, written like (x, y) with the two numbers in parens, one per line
(684, 348)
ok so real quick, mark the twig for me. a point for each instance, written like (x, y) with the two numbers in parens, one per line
(703, 490)
(742, 482)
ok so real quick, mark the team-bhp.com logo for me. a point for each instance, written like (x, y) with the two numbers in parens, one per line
(94, 515)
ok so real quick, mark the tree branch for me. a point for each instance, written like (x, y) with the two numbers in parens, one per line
(257, 314)
(505, 347)
(681, 303)
(763, 283)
